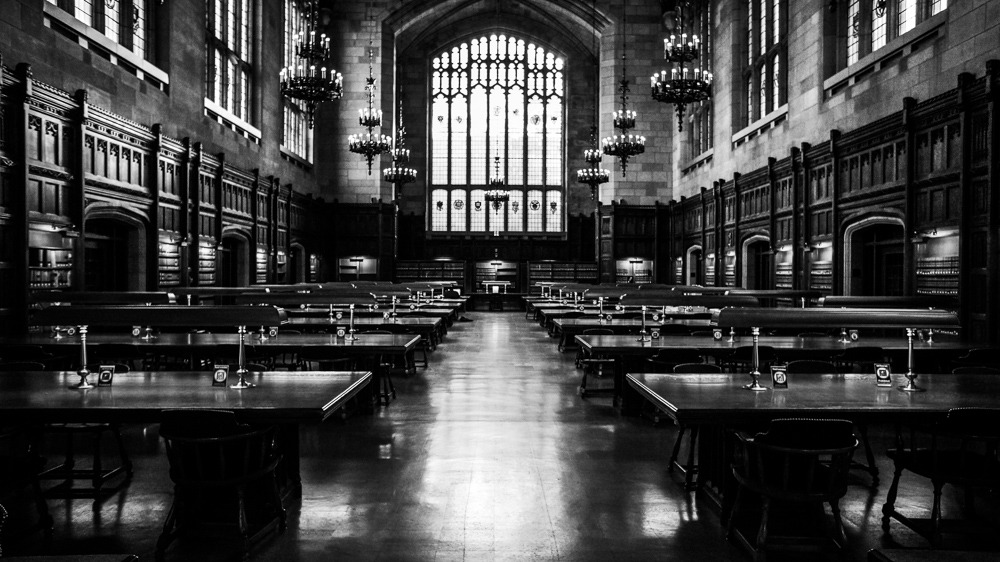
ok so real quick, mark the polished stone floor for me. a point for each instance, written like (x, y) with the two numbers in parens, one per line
(489, 454)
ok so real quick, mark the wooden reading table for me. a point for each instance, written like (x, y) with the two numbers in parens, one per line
(787, 348)
(286, 399)
(717, 402)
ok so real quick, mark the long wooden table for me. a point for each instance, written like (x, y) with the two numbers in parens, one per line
(224, 347)
(448, 315)
(718, 402)
(431, 328)
(384, 344)
(568, 328)
(283, 398)
(786, 347)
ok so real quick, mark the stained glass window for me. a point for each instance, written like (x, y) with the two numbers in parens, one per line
(123, 21)
(766, 47)
(229, 55)
(699, 126)
(498, 96)
(869, 25)
(297, 137)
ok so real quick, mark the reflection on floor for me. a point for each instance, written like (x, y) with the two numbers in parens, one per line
(489, 454)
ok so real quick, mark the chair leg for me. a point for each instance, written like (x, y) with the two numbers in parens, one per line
(890, 500)
(691, 468)
(167, 535)
(869, 455)
(677, 448)
(838, 525)
(765, 509)
(936, 515)
(734, 510)
(97, 481)
(122, 451)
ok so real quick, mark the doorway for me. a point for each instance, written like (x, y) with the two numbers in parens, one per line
(695, 266)
(234, 261)
(758, 264)
(114, 256)
(298, 264)
(876, 253)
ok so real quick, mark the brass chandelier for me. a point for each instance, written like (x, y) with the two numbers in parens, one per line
(593, 175)
(624, 145)
(372, 143)
(685, 81)
(399, 174)
(310, 81)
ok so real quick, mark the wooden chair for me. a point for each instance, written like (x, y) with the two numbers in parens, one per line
(595, 365)
(976, 357)
(690, 467)
(19, 466)
(124, 353)
(666, 359)
(812, 367)
(975, 370)
(742, 357)
(224, 478)
(322, 358)
(697, 368)
(671, 329)
(859, 359)
(961, 450)
(798, 461)
(22, 366)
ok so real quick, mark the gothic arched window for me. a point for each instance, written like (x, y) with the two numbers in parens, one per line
(491, 97)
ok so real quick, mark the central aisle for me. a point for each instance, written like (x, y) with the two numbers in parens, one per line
(490, 454)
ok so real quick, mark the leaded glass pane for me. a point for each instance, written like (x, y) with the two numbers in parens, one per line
(439, 210)
(938, 5)
(878, 30)
(906, 16)
(776, 81)
(459, 126)
(553, 137)
(515, 137)
(535, 141)
(515, 212)
(477, 140)
(553, 219)
(458, 208)
(477, 211)
(853, 31)
(762, 14)
(439, 141)
(535, 212)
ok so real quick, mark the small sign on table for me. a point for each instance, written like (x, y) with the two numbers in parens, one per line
(220, 375)
(779, 376)
(883, 375)
(106, 374)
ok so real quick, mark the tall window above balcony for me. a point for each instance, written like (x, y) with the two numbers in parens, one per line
(497, 96)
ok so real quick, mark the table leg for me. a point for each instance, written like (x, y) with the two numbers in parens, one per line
(290, 476)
